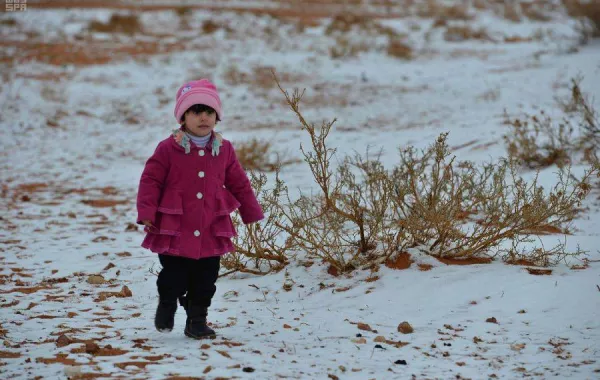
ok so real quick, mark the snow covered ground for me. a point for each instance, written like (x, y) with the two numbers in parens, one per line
(77, 293)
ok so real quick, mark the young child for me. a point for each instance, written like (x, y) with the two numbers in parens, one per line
(188, 188)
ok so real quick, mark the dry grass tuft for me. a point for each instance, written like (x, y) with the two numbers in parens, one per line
(480, 4)
(490, 95)
(517, 39)
(182, 11)
(399, 49)
(209, 27)
(589, 10)
(346, 47)
(8, 22)
(355, 34)
(437, 11)
(516, 11)
(347, 22)
(118, 23)
(464, 33)
(581, 106)
(512, 11)
(258, 76)
(535, 12)
(258, 155)
(344, 22)
(439, 23)
(538, 142)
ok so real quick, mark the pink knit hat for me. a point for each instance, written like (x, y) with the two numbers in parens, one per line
(197, 92)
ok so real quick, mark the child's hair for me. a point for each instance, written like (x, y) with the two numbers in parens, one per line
(199, 108)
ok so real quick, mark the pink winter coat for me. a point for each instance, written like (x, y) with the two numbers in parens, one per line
(189, 196)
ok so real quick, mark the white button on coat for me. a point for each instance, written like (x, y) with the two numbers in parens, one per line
(201, 152)
(201, 174)
(199, 195)
(196, 233)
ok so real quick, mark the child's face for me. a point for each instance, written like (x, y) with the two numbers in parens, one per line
(200, 120)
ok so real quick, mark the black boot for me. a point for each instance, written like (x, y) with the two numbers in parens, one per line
(195, 325)
(165, 315)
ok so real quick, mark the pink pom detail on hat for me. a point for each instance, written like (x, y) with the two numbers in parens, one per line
(197, 92)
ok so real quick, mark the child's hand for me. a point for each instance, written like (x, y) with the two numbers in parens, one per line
(147, 223)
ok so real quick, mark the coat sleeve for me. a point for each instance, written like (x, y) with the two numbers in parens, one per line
(151, 184)
(237, 182)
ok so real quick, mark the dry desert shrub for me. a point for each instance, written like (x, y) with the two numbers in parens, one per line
(588, 10)
(210, 26)
(539, 256)
(344, 23)
(480, 4)
(464, 33)
(580, 105)
(490, 95)
(347, 47)
(400, 49)
(463, 210)
(364, 214)
(118, 23)
(354, 34)
(536, 11)
(439, 11)
(183, 11)
(263, 247)
(538, 141)
(258, 76)
(516, 11)
(512, 11)
(234, 76)
(347, 223)
(8, 22)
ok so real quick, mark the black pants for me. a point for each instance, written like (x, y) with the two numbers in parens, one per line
(196, 277)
